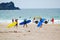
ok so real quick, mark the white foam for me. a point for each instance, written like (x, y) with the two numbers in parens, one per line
(55, 22)
(8, 21)
(5, 21)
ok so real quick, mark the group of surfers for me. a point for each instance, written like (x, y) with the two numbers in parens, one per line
(34, 21)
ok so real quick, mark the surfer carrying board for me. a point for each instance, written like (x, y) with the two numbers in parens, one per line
(34, 20)
(16, 20)
(41, 21)
(25, 24)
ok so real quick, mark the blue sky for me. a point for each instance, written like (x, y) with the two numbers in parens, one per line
(23, 4)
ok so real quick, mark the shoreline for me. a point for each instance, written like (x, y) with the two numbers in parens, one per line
(9, 21)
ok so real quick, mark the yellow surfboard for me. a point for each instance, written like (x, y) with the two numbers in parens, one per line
(11, 25)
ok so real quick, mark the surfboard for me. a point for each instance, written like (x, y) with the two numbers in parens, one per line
(22, 23)
(40, 23)
(11, 25)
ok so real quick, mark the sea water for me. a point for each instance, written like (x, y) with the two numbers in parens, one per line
(8, 15)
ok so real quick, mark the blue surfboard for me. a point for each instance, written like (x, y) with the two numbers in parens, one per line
(22, 23)
(40, 23)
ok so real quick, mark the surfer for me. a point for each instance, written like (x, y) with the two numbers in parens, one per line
(34, 20)
(52, 20)
(25, 24)
(12, 20)
(16, 20)
(41, 21)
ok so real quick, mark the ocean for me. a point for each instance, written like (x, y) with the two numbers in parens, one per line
(30, 13)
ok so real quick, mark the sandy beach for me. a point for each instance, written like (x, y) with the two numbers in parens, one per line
(47, 32)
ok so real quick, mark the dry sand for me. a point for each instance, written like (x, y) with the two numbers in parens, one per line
(47, 32)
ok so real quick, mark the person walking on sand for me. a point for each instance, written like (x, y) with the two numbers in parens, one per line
(41, 21)
(25, 24)
(34, 20)
(52, 20)
(16, 20)
(12, 20)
